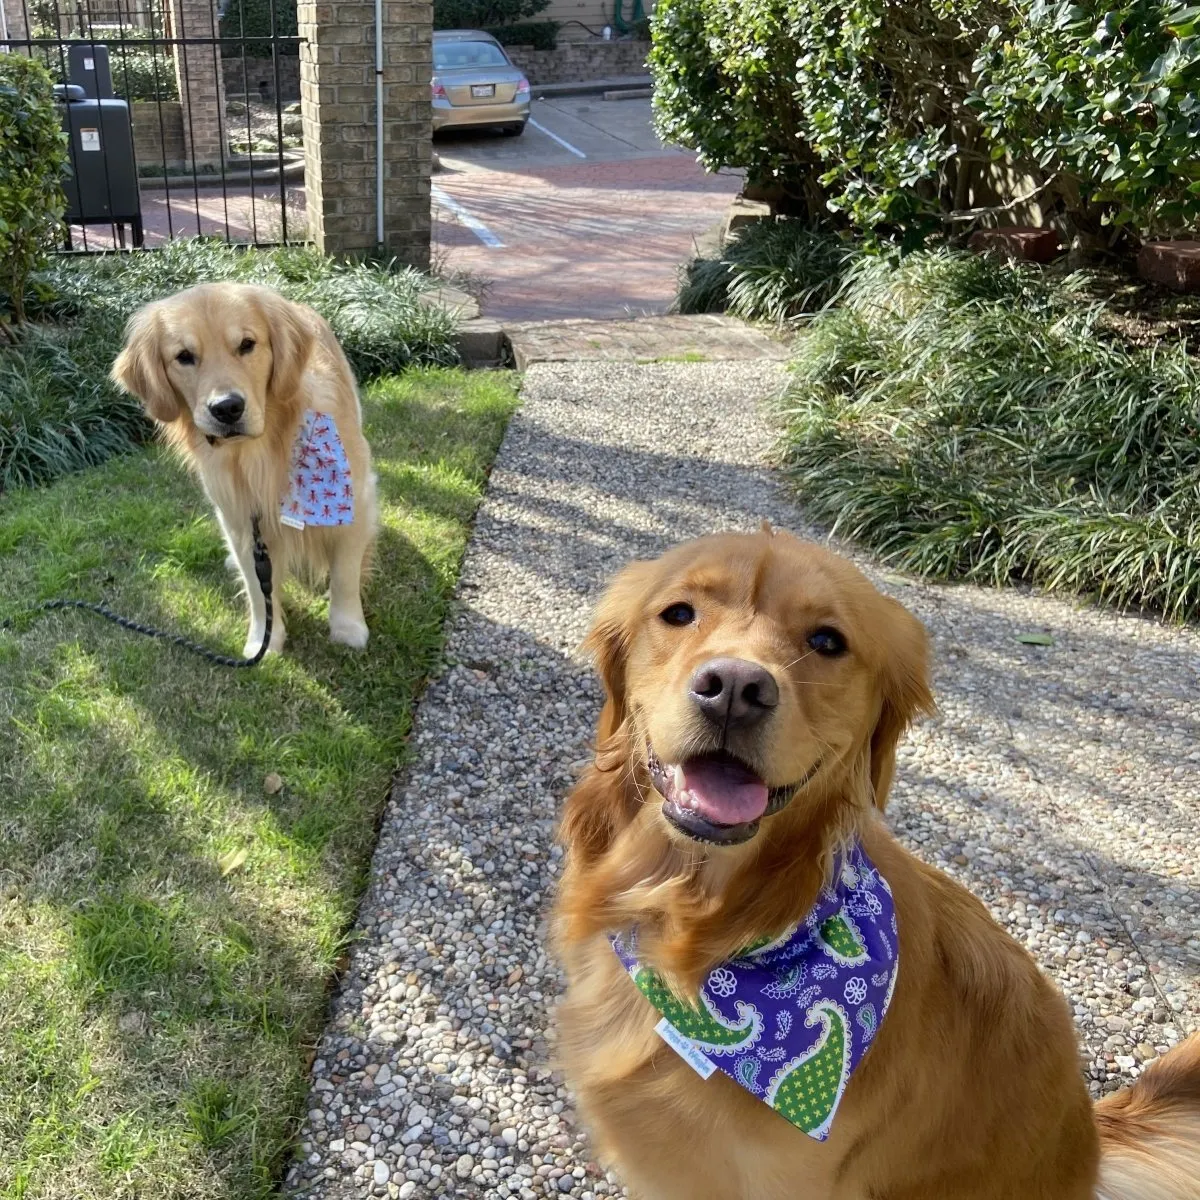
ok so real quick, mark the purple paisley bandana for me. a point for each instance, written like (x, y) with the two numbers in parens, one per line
(790, 1019)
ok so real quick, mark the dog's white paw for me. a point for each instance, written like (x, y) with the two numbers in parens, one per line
(347, 631)
(278, 637)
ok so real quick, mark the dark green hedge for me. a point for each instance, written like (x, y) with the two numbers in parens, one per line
(483, 14)
(252, 19)
(541, 35)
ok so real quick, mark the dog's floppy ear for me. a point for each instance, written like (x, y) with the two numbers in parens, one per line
(607, 642)
(291, 340)
(905, 692)
(139, 367)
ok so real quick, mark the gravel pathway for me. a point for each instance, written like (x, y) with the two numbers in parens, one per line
(1059, 783)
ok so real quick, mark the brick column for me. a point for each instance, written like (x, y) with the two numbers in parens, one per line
(14, 18)
(201, 80)
(337, 98)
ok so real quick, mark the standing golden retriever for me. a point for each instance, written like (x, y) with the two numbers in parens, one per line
(769, 998)
(255, 394)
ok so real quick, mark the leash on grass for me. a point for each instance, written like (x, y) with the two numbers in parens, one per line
(262, 570)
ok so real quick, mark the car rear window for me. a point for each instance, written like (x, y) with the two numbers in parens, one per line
(449, 55)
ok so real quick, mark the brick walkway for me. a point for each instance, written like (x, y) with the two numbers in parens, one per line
(187, 211)
(586, 239)
(593, 239)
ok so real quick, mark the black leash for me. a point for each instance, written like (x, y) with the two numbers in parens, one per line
(262, 569)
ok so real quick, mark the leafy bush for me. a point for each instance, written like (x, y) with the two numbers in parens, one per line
(969, 419)
(1105, 96)
(770, 271)
(483, 14)
(143, 74)
(541, 35)
(58, 411)
(33, 157)
(867, 124)
(718, 70)
(893, 114)
(251, 19)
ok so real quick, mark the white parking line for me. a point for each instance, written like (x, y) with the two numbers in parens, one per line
(561, 141)
(474, 224)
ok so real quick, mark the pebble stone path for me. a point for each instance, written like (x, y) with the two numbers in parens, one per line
(1059, 783)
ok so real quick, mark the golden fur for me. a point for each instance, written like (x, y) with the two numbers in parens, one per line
(283, 359)
(972, 1088)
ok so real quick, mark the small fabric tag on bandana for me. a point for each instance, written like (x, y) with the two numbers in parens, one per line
(790, 1018)
(320, 490)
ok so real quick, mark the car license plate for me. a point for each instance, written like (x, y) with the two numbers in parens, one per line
(480, 90)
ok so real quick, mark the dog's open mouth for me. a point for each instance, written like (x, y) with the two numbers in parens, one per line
(715, 797)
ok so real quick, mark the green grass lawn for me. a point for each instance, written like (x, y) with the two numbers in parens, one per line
(167, 927)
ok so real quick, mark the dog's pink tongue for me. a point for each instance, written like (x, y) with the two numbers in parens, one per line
(723, 792)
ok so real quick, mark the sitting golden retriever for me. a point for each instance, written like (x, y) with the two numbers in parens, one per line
(255, 394)
(770, 998)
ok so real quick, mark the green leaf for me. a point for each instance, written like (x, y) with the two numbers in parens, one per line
(1035, 639)
(230, 861)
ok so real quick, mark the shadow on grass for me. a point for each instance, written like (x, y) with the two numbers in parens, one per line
(186, 915)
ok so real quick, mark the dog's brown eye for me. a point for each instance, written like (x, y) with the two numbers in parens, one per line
(827, 641)
(678, 614)
(246, 346)
(185, 358)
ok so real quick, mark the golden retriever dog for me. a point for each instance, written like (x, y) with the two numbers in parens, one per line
(757, 687)
(255, 394)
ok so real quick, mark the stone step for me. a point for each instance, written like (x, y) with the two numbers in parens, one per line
(700, 338)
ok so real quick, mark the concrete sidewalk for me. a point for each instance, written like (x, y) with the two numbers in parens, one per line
(1057, 783)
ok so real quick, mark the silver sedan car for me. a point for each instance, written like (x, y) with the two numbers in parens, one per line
(475, 83)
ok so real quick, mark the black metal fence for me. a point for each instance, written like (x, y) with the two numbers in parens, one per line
(183, 117)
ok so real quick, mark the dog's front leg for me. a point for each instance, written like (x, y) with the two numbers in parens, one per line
(241, 549)
(347, 624)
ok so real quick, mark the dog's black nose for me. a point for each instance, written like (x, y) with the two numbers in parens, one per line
(228, 408)
(733, 693)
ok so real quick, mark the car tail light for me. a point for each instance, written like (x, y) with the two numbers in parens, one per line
(437, 90)
(523, 86)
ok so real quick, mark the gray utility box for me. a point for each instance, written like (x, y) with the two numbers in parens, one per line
(88, 67)
(102, 184)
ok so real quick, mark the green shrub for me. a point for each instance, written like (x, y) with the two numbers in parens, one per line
(58, 411)
(769, 271)
(541, 35)
(867, 120)
(891, 115)
(251, 19)
(483, 14)
(970, 419)
(33, 157)
(1105, 96)
(143, 74)
(718, 72)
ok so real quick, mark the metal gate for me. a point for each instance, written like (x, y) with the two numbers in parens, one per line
(183, 117)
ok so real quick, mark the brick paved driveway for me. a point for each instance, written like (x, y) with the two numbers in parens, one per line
(586, 215)
(597, 228)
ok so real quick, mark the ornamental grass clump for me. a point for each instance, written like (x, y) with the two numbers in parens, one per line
(768, 271)
(970, 419)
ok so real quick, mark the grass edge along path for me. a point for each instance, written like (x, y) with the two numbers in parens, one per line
(168, 920)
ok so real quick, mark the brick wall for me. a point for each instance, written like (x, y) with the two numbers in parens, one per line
(257, 74)
(14, 16)
(201, 83)
(154, 139)
(573, 62)
(337, 97)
